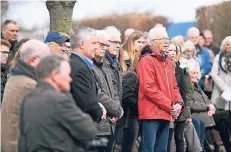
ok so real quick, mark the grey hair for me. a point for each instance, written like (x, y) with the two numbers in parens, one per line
(193, 30)
(78, 34)
(224, 43)
(33, 48)
(112, 31)
(207, 31)
(50, 63)
(7, 22)
(155, 32)
(102, 33)
(188, 45)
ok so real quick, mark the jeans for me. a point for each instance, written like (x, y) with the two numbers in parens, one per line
(200, 129)
(130, 134)
(154, 135)
(179, 136)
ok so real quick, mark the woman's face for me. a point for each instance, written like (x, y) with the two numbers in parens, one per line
(188, 53)
(172, 51)
(228, 47)
(194, 75)
(138, 44)
(201, 41)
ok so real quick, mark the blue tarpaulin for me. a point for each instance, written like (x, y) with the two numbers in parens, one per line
(181, 28)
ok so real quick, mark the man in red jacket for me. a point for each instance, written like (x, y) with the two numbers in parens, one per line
(159, 99)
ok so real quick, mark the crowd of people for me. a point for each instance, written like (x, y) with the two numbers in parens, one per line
(91, 89)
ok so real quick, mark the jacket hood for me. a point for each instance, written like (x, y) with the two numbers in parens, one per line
(21, 68)
(149, 50)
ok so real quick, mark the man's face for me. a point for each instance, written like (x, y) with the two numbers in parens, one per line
(194, 37)
(10, 33)
(56, 47)
(161, 42)
(62, 78)
(66, 49)
(208, 38)
(4, 54)
(103, 45)
(194, 75)
(115, 45)
(90, 46)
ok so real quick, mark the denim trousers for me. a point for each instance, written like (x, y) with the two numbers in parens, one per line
(200, 129)
(154, 135)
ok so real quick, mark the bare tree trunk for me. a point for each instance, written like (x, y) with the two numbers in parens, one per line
(60, 15)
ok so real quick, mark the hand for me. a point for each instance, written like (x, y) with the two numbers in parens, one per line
(104, 116)
(206, 82)
(176, 110)
(211, 107)
(113, 120)
(188, 120)
(211, 112)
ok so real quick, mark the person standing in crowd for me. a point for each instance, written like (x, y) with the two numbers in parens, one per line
(105, 97)
(10, 33)
(113, 69)
(208, 35)
(21, 80)
(127, 33)
(5, 50)
(186, 91)
(179, 40)
(56, 41)
(202, 43)
(133, 47)
(202, 55)
(221, 75)
(83, 87)
(159, 101)
(49, 117)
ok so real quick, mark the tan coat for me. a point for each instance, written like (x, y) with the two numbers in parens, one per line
(16, 88)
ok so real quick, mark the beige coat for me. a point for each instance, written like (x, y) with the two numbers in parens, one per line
(16, 88)
(221, 80)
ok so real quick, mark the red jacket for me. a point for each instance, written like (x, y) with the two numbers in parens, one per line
(158, 89)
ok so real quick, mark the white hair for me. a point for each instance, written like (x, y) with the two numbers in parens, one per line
(224, 43)
(156, 32)
(102, 33)
(193, 30)
(128, 32)
(188, 45)
(33, 48)
(78, 34)
(112, 31)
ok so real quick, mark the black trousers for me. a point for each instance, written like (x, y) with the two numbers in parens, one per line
(179, 136)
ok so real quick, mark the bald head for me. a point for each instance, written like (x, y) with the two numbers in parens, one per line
(33, 49)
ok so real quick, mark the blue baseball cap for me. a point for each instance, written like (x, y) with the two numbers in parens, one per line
(55, 37)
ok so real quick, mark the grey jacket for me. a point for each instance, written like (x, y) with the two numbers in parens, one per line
(105, 97)
(222, 80)
(113, 69)
(200, 106)
(51, 121)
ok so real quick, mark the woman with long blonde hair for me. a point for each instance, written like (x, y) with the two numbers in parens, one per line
(132, 48)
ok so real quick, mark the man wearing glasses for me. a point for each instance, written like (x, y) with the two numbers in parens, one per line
(159, 99)
(56, 41)
(5, 50)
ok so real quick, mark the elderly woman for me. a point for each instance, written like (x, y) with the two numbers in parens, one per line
(221, 95)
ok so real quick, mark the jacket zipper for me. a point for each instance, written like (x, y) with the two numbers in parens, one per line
(166, 73)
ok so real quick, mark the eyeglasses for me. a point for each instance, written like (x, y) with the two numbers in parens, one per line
(103, 44)
(6, 53)
(165, 39)
(115, 42)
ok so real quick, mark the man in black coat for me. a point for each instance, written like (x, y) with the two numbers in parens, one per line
(83, 87)
(49, 117)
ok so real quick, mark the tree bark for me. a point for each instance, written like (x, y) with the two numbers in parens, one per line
(60, 15)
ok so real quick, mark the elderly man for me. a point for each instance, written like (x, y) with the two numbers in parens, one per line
(20, 82)
(104, 81)
(202, 55)
(159, 99)
(49, 117)
(208, 35)
(10, 33)
(56, 41)
(5, 50)
(83, 87)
